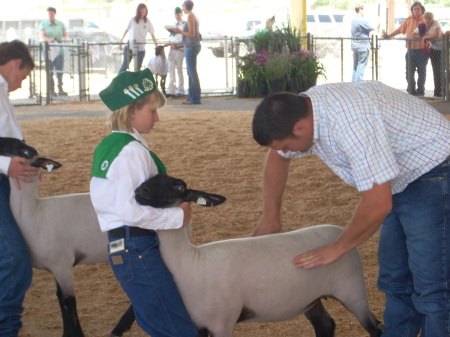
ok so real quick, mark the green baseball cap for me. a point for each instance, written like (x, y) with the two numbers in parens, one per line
(178, 10)
(128, 87)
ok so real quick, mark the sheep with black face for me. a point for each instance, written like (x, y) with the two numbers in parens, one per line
(253, 279)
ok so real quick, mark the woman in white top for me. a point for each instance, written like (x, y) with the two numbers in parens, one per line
(137, 29)
(433, 34)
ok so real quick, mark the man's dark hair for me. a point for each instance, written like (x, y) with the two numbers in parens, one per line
(276, 116)
(188, 4)
(417, 3)
(16, 50)
(358, 8)
(51, 9)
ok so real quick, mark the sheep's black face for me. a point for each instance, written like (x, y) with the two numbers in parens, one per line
(163, 191)
(12, 147)
(159, 50)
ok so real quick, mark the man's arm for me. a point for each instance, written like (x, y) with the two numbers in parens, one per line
(274, 181)
(44, 36)
(153, 38)
(373, 208)
(65, 35)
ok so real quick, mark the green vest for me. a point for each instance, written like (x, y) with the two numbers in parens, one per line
(109, 148)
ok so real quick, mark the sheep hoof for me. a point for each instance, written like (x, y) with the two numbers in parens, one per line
(381, 327)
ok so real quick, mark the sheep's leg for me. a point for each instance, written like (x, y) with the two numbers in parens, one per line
(68, 305)
(320, 319)
(356, 302)
(125, 323)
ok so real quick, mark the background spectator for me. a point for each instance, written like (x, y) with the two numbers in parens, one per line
(192, 46)
(433, 42)
(360, 28)
(137, 29)
(176, 57)
(52, 31)
(419, 60)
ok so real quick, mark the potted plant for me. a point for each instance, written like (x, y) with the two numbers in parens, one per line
(305, 68)
(251, 74)
(276, 71)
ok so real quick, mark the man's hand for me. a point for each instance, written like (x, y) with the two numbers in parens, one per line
(266, 227)
(323, 255)
(373, 208)
(19, 169)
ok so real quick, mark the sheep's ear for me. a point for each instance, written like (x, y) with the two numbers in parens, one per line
(205, 199)
(46, 164)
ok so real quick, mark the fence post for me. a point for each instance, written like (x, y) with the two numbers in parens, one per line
(374, 47)
(225, 53)
(135, 55)
(342, 59)
(48, 74)
(445, 64)
(82, 66)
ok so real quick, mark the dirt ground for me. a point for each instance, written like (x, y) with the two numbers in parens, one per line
(211, 148)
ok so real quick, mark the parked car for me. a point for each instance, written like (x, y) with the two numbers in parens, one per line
(329, 23)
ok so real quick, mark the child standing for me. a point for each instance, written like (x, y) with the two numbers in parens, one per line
(122, 161)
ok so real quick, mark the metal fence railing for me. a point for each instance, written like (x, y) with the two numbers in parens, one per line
(90, 67)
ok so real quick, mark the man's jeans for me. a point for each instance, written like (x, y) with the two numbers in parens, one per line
(128, 56)
(360, 59)
(414, 258)
(15, 267)
(194, 91)
(57, 66)
(149, 285)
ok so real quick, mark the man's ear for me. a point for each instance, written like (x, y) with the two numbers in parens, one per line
(297, 129)
(16, 63)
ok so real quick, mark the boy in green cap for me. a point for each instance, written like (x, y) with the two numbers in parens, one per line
(122, 161)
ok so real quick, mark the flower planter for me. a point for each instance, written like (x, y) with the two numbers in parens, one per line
(242, 90)
(274, 86)
(293, 87)
(261, 89)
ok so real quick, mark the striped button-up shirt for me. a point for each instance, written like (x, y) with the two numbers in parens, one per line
(367, 133)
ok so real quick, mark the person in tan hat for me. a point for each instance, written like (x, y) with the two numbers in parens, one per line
(122, 161)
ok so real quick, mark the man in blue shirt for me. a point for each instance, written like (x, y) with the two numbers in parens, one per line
(361, 29)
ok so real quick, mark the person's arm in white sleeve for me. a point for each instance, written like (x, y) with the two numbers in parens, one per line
(132, 167)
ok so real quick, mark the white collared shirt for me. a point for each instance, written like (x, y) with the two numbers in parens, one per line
(9, 127)
(367, 133)
(113, 197)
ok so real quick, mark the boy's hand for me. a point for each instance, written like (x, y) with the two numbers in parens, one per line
(187, 210)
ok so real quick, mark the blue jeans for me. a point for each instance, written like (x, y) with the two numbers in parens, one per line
(58, 65)
(414, 258)
(360, 59)
(128, 56)
(194, 91)
(15, 267)
(435, 58)
(417, 63)
(149, 285)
